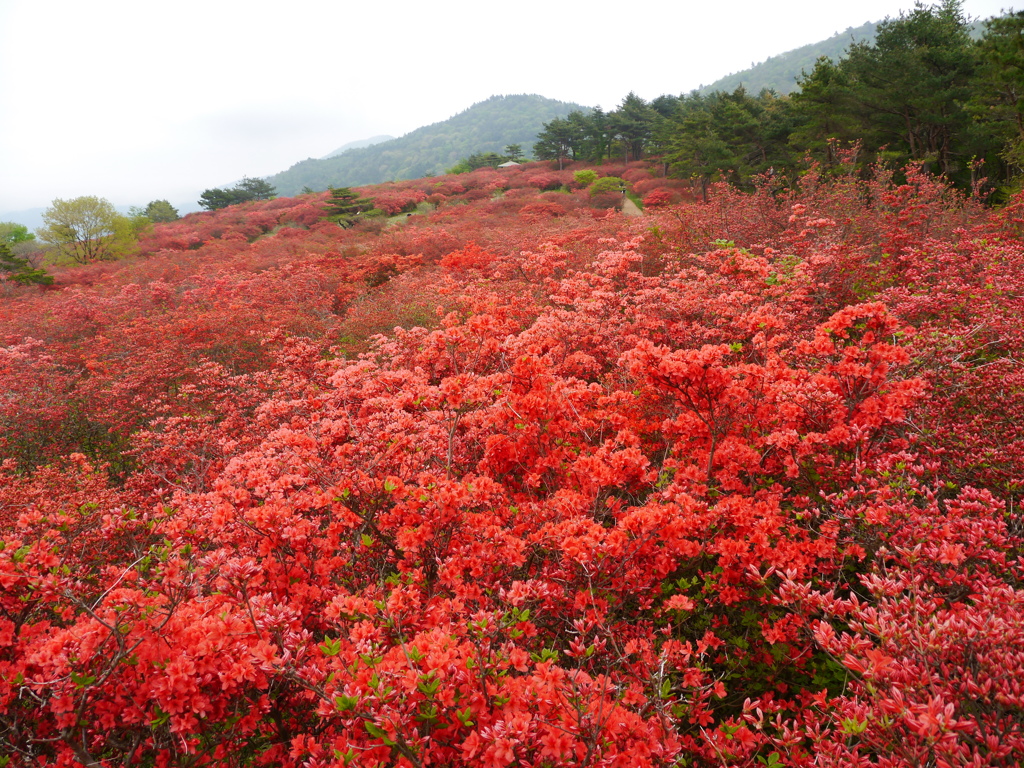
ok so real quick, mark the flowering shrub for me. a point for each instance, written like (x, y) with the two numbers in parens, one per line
(515, 482)
(659, 198)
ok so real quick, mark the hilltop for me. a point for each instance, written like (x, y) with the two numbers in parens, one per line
(487, 126)
(360, 144)
(781, 72)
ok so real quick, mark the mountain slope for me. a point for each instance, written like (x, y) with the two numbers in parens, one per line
(487, 126)
(780, 72)
(361, 144)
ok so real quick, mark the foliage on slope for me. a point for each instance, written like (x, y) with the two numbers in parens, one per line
(517, 480)
(488, 126)
(780, 73)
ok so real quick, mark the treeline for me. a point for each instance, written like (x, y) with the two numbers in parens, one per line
(923, 92)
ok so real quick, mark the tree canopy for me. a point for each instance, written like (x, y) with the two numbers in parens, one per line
(12, 233)
(20, 270)
(920, 89)
(245, 191)
(86, 229)
(161, 211)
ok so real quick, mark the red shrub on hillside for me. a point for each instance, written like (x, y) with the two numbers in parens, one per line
(523, 482)
(659, 198)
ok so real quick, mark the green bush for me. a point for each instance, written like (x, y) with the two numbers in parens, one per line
(585, 178)
(607, 184)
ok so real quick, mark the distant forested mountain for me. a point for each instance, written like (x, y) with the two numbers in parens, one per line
(488, 126)
(361, 144)
(780, 72)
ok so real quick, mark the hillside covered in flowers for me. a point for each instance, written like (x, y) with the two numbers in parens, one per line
(505, 477)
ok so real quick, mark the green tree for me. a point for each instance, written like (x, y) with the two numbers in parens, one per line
(908, 89)
(344, 206)
(558, 141)
(478, 160)
(257, 189)
(12, 233)
(161, 212)
(585, 178)
(217, 198)
(514, 152)
(633, 125)
(823, 111)
(244, 191)
(997, 103)
(87, 229)
(607, 184)
(462, 166)
(19, 270)
(599, 135)
(695, 147)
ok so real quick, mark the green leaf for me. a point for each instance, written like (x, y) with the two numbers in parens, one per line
(345, 703)
(346, 757)
(428, 713)
(379, 733)
(427, 686)
(852, 726)
(81, 681)
(330, 647)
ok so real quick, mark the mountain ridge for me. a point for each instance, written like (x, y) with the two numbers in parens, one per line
(486, 126)
(780, 72)
(358, 144)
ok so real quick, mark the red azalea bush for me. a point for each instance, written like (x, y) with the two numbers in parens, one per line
(659, 198)
(544, 181)
(647, 185)
(734, 483)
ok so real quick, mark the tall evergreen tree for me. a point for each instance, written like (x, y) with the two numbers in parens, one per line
(560, 140)
(633, 125)
(907, 89)
(823, 111)
(997, 101)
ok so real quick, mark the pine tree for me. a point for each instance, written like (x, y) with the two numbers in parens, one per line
(345, 205)
(19, 270)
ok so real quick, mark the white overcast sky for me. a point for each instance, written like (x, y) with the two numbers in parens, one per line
(135, 100)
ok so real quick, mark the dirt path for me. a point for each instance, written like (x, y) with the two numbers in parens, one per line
(629, 208)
